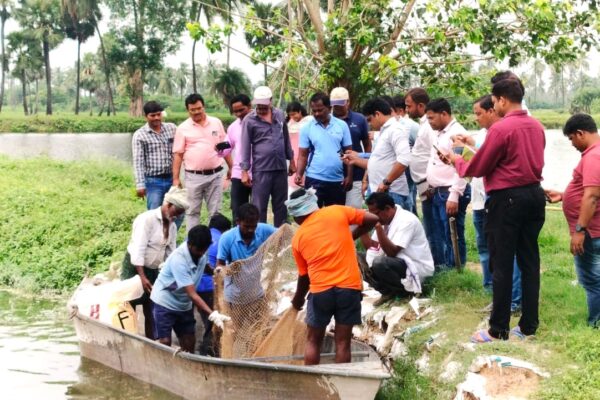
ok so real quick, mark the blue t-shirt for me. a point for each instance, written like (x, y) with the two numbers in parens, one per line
(243, 287)
(178, 272)
(324, 144)
(359, 131)
(206, 283)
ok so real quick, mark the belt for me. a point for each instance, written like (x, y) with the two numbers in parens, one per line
(442, 189)
(205, 171)
(162, 176)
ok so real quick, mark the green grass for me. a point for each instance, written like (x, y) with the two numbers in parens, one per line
(70, 123)
(61, 220)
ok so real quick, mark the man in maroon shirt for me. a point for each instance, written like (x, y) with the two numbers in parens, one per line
(510, 162)
(582, 210)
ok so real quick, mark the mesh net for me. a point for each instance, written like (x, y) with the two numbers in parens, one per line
(253, 292)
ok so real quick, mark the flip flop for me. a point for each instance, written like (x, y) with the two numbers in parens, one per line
(516, 333)
(482, 336)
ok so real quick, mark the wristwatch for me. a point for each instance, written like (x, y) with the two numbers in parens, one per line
(579, 228)
(386, 182)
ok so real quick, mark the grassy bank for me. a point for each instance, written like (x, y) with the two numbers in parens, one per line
(61, 220)
(69, 123)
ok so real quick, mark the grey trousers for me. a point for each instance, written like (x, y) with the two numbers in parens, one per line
(272, 184)
(201, 188)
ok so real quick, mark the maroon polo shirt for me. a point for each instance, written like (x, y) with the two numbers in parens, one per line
(511, 156)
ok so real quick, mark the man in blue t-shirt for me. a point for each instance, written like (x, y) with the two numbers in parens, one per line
(174, 292)
(359, 131)
(322, 142)
(218, 224)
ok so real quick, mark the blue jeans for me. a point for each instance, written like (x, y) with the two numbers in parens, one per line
(401, 200)
(156, 188)
(479, 218)
(587, 267)
(439, 237)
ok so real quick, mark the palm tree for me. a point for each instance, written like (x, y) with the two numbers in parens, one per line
(229, 82)
(181, 78)
(26, 53)
(42, 18)
(4, 16)
(79, 25)
(265, 12)
(166, 83)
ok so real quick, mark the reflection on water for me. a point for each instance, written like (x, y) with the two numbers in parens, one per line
(40, 359)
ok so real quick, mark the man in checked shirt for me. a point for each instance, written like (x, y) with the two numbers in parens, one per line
(152, 147)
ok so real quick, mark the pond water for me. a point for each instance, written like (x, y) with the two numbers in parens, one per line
(560, 156)
(39, 358)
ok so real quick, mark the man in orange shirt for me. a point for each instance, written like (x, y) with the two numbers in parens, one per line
(323, 248)
(194, 146)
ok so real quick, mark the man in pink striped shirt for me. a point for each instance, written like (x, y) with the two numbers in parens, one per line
(510, 162)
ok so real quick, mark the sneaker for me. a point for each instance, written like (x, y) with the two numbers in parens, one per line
(382, 300)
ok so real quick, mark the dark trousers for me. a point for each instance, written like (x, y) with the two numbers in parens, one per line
(207, 348)
(272, 184)
(515, 218)
(129, 271)
(385, 274)
(240, 194)
(328, 193)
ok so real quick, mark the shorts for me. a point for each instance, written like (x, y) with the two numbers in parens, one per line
(182, 322)
(343, 304)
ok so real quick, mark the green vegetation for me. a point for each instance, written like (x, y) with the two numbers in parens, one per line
(69, 123)
(61, 220)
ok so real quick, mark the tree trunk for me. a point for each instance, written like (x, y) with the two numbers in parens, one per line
(111, 104)
(136, 96)
(91, 104)
(265, 69)
(24, 88)
(4, 63)
(194, 87)
(228, 35)
(46, 46)
(78, 77)
(37, 95)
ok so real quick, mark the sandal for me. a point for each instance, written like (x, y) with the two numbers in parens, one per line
(516, 333)
(482, 336)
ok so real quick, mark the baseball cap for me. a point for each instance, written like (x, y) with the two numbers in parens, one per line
(262, 95)
(339, 96)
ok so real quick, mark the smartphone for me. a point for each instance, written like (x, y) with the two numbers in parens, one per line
(341, 152)
(222, 146)
(438, 150)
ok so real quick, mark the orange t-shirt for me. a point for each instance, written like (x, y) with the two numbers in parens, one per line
(323, 248)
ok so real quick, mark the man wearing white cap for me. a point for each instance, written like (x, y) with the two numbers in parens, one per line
(266, 148)
(359, 131)
(152, 240)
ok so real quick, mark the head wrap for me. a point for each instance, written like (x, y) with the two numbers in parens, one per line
(303, 205)
(177, 197)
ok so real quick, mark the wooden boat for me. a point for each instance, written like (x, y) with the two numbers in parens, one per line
(198, 377)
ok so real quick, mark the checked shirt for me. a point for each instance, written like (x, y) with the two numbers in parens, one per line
(152, 152)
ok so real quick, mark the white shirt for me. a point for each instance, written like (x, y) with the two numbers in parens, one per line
(439, 173)
(420, 155)
(147, 246)
(406, 231)
(477, 188)
(391, 146)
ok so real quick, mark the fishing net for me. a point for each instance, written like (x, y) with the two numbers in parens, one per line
(254, 292)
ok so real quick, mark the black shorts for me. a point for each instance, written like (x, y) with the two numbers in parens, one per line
(343, 304)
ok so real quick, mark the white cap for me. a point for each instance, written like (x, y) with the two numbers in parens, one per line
(262, 95)
(339, 96)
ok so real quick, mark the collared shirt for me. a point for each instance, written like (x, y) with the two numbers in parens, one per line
(234, 137)
(441, 174)
(421, 152)
(179, 271)
(586, 174)
(512, 155)
(148, 247)
(391, 147)
(359, 132)
(414, 129)
(406, 231)
(197, 143)
(265, 146)
(152, 152)
(324, 144)
(243, 287)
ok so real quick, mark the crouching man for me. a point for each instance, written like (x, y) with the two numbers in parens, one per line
(398, 256)
(174, 292)
(323, 248)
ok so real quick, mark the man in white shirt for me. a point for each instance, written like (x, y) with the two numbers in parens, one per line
(448, 193)
(153, 239)
(398, 254)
